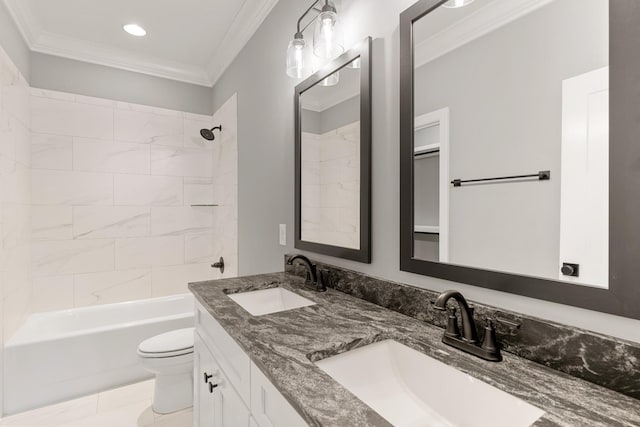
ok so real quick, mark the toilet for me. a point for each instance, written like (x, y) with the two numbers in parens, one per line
(170, 357)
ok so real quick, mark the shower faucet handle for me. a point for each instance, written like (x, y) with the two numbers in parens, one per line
(219, 264)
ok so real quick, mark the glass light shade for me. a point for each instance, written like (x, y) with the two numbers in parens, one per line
(356, 63)
(298, 59)
(327, 38)
(452, 4)
(332, 80)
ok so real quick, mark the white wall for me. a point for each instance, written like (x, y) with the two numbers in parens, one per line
(112, 189)
(266, 158)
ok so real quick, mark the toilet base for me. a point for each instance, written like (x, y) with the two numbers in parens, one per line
(172, 393)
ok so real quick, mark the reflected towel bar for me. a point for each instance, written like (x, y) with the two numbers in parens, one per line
(542, 176)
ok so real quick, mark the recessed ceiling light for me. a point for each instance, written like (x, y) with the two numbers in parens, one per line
(135, 30)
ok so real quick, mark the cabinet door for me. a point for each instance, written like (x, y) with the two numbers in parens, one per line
(230, 410)
(269, 407)
(203, 399)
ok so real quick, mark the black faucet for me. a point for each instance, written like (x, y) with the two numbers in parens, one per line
(468, 342)
(312, 275)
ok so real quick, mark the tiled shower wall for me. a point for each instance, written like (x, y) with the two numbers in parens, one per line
(15, 292)
(113, 189)
(331, 186)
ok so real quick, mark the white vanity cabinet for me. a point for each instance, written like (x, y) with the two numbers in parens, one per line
(234, 393)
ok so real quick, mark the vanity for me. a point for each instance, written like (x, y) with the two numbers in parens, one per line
(271, 369)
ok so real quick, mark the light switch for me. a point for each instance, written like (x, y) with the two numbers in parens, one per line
(283, 234)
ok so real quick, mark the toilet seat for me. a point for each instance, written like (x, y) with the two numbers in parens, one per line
(170, 344)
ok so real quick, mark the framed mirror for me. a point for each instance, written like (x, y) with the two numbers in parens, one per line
(333, 157)
(519, 170)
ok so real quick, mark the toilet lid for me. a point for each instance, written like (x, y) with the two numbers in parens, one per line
(172, 343)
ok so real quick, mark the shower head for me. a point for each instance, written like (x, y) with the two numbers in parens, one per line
(208, 133)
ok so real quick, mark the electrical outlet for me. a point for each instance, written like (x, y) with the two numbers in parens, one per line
(283, 234)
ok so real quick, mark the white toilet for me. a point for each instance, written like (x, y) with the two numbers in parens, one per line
(170, 357)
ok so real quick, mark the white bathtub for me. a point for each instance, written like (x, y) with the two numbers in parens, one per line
(65, 354)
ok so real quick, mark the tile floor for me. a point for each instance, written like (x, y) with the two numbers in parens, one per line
(128, 406)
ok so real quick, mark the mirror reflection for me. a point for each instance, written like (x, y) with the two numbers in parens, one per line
(511, 138)
(330, 151)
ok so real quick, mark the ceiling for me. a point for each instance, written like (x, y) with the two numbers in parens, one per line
(192, 41)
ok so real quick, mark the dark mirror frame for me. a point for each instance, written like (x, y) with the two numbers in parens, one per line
(623, 296)
(363, 51)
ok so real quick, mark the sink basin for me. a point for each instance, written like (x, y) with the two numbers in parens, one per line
(408, 388)
(267, 301)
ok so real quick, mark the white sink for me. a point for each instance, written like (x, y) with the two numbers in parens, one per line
(268, 301)
(409, 388)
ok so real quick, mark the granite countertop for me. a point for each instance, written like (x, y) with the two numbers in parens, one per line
(283, 345)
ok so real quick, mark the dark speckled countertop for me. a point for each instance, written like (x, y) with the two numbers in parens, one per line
(283, 345)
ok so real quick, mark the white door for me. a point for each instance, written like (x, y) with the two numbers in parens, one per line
(584, 188)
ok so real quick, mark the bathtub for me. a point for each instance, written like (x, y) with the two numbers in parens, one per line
(61, 355)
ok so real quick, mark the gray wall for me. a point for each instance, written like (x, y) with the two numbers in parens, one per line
(83, 78)
(12, 42)
(266, 168)
(504, 94)
(332, 118)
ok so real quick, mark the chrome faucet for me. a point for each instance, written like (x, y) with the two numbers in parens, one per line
(312, 275)
(468, 341)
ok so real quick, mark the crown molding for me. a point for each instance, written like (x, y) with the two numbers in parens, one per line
(246, 22)
(94, 53)
(244, 26)
(479, 23)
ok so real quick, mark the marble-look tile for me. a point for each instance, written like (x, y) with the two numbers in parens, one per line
(111, 286)
(52, 258)
(21, 136)
(51, 222)
(124, 396)
(57, 117)
(149, 251)
(115, 157)
(111, 221)
(51, 152)
(71, 188)
(175, 279)
(16, 99)
(52, 94)
(180, 220)
(178, 161)
(148, 128)
(192, 137)
(121, 407)
(144, 190)
(16, 308)
(52, 293)
(200, 191)
(55, 415)
(200, 248)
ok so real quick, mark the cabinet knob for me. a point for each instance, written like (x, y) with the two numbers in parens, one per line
(207, 377)
(212, 386)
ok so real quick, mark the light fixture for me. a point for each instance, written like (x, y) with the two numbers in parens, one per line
(452, 4)
(331, 80)
(356, 63)
(135, 30)
(298, 58)
(327, 37)
(327, 41)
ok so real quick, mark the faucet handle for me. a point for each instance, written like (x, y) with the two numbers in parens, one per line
(452, 323)
(489, 342)
(321, 286)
